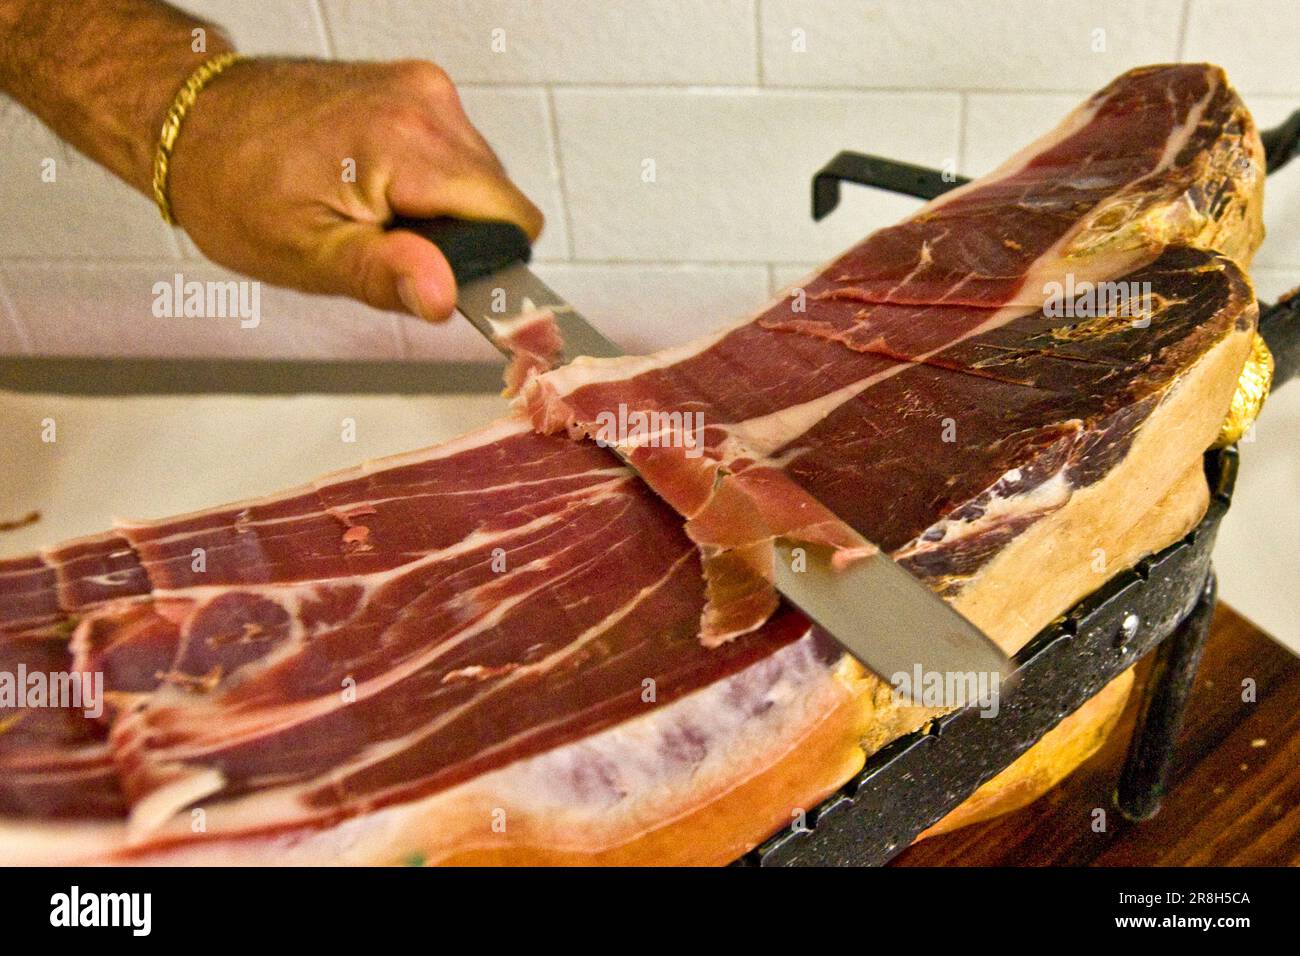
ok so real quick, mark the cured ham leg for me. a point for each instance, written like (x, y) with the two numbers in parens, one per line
(494, 651)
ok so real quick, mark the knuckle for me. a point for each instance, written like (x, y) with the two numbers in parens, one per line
(406, 122)
(425, 79)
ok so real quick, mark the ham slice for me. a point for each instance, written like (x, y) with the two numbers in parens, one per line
(534, 343)
(491, 651)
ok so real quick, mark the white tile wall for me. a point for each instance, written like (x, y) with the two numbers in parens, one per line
(964, 44)
(738, 102)
(557, 41)
(517, 122)
(1281, 248)
(60, 205)
(722, 175)
(290, 27)
(1255, 41)
(644, 307)
(98, 308)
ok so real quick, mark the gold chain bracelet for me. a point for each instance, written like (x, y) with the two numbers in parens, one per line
(176, 113)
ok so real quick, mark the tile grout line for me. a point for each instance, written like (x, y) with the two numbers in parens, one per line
(557, 160)
(162, 263)
(772, 290)
(658, 263)
(724, 88)
(326, 34)
(1183, 19)
(669, 86)
(963, 118)
(10, 312)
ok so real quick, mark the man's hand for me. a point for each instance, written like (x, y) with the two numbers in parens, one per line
(284, 170)
(287, 171)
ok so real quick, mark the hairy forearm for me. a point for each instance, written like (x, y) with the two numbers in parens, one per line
(102, 73)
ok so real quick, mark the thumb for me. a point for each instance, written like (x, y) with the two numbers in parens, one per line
(397, 271)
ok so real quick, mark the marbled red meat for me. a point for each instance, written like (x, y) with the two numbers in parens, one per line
(794, 401)
(382, 659)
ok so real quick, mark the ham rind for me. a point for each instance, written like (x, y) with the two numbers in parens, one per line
(493, 651)
(924, 324)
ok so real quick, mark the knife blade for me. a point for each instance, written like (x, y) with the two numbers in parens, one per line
(887, 619)
(513, 291)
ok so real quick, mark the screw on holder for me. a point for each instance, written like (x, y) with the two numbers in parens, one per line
(888, 174)
(1128, 629)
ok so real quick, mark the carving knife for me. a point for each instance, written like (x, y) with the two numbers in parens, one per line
(891, 622)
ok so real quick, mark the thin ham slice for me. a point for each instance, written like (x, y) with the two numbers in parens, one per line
(534, 343)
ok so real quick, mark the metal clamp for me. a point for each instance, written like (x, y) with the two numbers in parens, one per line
(881, 173)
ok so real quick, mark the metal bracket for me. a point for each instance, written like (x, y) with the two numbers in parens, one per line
(1281, 143)
(1279, 324)
(881, 173)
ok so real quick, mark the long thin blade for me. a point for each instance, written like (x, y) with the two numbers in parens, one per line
(514, 291)
(883, 616)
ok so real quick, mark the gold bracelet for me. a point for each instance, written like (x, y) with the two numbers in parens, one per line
(185, 98)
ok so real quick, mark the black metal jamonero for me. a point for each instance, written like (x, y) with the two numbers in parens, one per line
(1281, 145)
(913, 782)
(1165, 602)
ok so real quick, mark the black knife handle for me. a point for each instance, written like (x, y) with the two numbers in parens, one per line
(473, 248)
